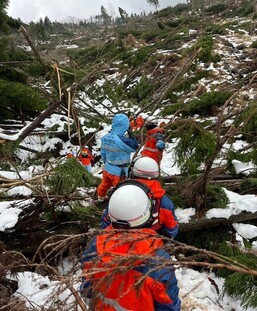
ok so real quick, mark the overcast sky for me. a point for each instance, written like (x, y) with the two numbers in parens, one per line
(28, 10)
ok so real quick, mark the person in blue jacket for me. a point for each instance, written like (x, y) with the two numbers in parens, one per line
(116, 149)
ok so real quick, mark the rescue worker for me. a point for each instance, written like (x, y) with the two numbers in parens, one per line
(154, 144)
(71, 153)
(162, 124)
(116, 149)
(145, 170)
(139, 122)
(109, 280)
(132, 124)
(86, 158)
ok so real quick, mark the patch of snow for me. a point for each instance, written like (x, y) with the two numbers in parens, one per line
(184, 215)
(245, 230)
(65, 46)
(245, 168)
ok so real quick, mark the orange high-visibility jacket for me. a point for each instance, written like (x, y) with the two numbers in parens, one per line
(139, 122)
(85, 156)
(116, 290)
(149, 148)
(132, 124)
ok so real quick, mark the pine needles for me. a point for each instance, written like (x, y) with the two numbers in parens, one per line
(243, 286)
(69, 175)
(195, 146)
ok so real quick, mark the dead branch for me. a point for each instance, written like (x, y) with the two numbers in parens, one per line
(17, 182)
(26, 36)
(90, 107)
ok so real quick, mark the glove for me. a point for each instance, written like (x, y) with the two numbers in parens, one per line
(160, 145)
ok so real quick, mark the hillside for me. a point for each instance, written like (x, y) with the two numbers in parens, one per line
(194, 67)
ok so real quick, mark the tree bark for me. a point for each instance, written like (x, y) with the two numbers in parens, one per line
(204, 223)
(36, 122)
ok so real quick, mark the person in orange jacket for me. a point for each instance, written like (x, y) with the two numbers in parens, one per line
(139, 122)
(162, 124)
(145, 170)
(71, 153)
(109, 280)
(132, 123)
(86, 158)
(154, 144)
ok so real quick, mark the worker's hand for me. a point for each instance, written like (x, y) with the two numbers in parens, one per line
(160, 145)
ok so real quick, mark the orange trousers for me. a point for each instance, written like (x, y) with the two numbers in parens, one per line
(108, 181)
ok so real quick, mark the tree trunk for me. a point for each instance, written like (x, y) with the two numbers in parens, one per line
(203, 223)
(36, 122)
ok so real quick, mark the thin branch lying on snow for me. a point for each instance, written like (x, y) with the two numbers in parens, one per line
(154, 104)
(57, 247)
(8, 182)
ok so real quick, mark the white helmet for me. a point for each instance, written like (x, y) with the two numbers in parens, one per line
(152, 120)
(145, 167)
(130, 205)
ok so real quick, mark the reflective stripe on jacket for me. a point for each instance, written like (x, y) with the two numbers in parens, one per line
(116, 148)
(115, 289)
(149, 148)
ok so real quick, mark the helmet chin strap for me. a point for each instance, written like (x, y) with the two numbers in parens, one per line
(150, 126)
(121, 224)
(149, 222)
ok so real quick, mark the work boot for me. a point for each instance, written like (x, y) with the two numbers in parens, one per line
(101, 201)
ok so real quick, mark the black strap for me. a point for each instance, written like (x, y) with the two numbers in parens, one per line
(122, 173)
(135, 183)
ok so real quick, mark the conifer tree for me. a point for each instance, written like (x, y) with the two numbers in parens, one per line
(123, 13)
(154, 3)
(106, 17)
(3, 16)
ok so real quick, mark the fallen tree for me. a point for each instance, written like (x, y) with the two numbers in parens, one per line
(203, 223)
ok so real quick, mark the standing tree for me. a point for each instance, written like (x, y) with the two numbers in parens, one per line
(105, 16)
(3, 16)
(123, 13)
(154, 3)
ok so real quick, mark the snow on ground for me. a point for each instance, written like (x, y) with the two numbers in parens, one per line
(9, 213)
(244, 168)
(196, 290)
(41, 291)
